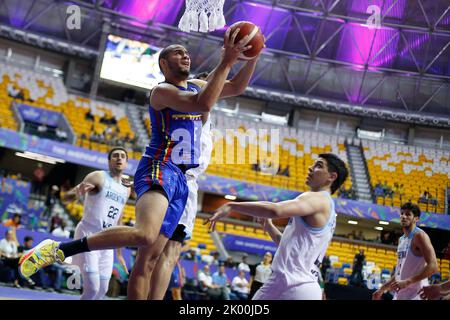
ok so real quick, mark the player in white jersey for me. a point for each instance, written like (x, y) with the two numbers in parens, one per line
(161, 276)
(302, 246)
(416, 259)
(105, 198)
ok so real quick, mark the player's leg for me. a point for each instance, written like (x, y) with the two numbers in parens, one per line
(272, 289)
(151, 208)
(146, 259)
(163, 270)
(139, 285)
(88, 263)
(150, 211)
(106, 263)
(305, 291)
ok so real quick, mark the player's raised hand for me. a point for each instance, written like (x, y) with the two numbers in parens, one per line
(233, 50)
(83, 188)
(220, 213)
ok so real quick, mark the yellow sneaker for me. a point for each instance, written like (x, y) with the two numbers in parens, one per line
(44, 254)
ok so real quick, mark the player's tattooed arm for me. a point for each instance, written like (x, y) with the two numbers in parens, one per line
(92, 183)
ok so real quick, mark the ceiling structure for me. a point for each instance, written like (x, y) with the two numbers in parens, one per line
(319, 52)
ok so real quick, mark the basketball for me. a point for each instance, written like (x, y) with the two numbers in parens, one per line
(256, 38)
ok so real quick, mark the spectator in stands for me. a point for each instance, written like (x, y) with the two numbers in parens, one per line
(360, 236)
(104, 119)
(52, 197)
(55, 222)
(326, 264)
(379, 191)
(255, 166)
(215, 261)
(424, 197)
(283, 172)
(220, 279)
(446, 252)
(191, 255)
(61, 231)
(356, 279)
(261, 274)
(229, 263)
(387, 189)
(352, 193)
(89, 115)
(14, 222)
(9, 256)
(244, 265)
(386, 238)
(177, 281)
(113, 120)
(373, 280)
(38, 179)
(240, 286)
(205, 282)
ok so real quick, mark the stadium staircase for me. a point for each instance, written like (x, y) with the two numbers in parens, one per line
(359, 172)
(137, 124)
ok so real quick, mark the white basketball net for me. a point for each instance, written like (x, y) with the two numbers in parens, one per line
(196, 18)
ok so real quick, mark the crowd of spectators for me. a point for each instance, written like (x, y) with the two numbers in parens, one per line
(266, 167)
(347, 193)
(48, 279)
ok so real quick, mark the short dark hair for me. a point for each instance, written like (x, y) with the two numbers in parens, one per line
(27, 238)
(115, 149)
(335, 164)
(414, 208)
(165, 52)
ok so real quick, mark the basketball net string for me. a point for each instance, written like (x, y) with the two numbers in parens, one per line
(195, 17)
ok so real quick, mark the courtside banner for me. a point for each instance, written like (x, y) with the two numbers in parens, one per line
(249, 245)
(357, 209)
(25, 142)
(38, 115)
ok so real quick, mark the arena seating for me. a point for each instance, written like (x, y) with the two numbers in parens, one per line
(341, 253)
(48, 92)
(297, 150)
(417, 169)
(201, 238)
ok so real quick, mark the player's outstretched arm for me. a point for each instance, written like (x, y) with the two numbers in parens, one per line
(91, 183)
(426, 248)
(166, 95)
(306, 204)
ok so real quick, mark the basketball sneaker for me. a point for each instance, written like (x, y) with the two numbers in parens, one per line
(44, 254)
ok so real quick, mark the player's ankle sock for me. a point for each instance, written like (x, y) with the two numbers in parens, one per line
(74, 247)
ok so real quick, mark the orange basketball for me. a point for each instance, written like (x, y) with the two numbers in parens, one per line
(256, 38)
